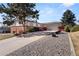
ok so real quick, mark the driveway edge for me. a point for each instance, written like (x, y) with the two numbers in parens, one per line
(71, 46)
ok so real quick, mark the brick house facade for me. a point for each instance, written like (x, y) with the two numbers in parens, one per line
(18, 28)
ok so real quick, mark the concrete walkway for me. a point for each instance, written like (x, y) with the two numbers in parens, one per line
(9, 45)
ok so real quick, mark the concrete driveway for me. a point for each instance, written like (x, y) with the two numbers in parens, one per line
(9, 45)
(46, 46)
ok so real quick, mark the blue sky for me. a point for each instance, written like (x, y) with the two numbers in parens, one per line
(52, 12)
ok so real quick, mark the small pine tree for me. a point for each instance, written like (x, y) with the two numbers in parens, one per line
(68, 18)
(67, 29)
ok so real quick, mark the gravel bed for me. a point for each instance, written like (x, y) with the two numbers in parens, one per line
(47, 46)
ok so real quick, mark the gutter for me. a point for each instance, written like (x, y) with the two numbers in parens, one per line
(71, 46)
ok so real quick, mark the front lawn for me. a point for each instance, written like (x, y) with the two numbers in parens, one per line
(75, 28)
(75, 40)
(5, 36)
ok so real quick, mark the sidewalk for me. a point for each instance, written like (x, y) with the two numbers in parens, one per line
(9, 45)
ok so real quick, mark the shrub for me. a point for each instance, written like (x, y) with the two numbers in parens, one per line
(34, 29)
(75, 28)
(67, 29)
(31, 30)
(61, 28)
(44, 28)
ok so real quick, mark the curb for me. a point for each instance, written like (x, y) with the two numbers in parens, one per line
(71, 46)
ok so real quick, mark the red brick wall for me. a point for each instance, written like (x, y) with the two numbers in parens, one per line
(17, 29)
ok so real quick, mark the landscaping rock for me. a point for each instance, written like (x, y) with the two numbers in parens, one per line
(47, 46)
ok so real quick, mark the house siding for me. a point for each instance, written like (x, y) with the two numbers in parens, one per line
(20, 28)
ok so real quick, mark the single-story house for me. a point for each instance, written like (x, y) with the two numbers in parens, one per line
(18, 27)
(52, 25)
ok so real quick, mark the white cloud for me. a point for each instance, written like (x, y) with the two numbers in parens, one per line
(68, 4)
(45, 14)
(47, 11)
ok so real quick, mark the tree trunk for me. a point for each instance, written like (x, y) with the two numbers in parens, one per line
(24, 26)
(17, 24)
(36, 24)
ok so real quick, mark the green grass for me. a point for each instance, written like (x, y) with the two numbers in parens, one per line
(2, 37)
(75, 28)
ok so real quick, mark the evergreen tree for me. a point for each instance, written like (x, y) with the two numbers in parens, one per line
(68, 18)
(20, 11)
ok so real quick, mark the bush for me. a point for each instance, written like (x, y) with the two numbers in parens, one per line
(34, 29)
(67, 28)
(44, 28)
(61, 28)
(75, 28)
(31, 30)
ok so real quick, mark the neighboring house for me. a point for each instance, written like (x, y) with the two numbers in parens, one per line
(52, 25)
(1, 24)
(4, 28)
(18, 27)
